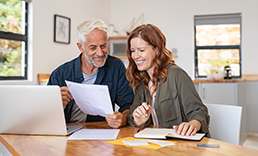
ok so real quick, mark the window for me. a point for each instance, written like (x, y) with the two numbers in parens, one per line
(217, 44)
(13, 39)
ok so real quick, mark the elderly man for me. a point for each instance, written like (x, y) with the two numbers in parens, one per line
(94, 66)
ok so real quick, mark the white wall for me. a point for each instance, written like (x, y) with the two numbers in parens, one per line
(175, 18)
(45, 54)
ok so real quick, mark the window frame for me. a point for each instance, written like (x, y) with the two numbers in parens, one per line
(196, 48)
(19, 37)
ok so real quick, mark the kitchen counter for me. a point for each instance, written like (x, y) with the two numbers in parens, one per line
(237, 92)
(244, 78)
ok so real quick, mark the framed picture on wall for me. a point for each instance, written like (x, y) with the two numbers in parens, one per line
(62, 29)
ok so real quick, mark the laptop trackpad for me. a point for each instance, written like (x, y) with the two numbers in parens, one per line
(72, 128)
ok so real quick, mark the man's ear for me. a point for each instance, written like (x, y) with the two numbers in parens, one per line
(79, 45)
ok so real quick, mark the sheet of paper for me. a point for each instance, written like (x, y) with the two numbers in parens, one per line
(94, 134)
(150, 146)
(91, 99)
(161, 143)
(135, 142)
(146, 142)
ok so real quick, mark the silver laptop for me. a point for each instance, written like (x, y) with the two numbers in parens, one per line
(32, 109)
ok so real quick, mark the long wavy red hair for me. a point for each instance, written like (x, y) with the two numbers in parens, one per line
(154, 37)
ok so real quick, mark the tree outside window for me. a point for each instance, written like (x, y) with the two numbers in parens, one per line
(217, 44)
(13, 39)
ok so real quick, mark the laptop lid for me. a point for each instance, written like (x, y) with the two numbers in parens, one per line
(32, 109)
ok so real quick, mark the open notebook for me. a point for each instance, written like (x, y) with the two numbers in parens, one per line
(32, 109)
(164, 133)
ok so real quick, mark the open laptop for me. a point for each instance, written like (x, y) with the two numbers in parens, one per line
(32, 109)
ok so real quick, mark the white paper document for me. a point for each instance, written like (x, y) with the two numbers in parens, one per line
(135, 142)
(161, 143)
(91, 99)
(94, 134)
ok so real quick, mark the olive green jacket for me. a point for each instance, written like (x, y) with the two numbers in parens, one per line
(176, 101)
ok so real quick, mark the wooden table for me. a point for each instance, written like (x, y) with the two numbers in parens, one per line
(27, 145)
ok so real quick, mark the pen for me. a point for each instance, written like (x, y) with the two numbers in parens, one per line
(140, 128)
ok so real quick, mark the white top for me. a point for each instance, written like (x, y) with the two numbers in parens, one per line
(153, 113)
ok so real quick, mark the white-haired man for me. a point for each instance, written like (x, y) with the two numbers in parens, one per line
(94, 66)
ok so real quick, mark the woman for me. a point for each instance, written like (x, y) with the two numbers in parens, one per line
(164, 94)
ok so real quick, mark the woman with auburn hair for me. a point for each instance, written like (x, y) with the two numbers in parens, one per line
(164, 93)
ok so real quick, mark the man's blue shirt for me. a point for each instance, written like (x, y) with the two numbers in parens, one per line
(111, 74)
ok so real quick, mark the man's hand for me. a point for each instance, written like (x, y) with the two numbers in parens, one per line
(117, 119)
(66, 95)
(188, 128)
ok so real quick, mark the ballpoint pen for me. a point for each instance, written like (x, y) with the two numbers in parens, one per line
(140, 128)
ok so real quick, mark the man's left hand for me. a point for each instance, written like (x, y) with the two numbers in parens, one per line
(117, 119)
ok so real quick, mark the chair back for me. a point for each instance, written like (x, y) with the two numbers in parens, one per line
(225, 122)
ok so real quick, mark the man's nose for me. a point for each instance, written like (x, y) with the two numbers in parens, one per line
(99, 51)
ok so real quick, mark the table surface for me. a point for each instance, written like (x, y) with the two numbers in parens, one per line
(59, 145)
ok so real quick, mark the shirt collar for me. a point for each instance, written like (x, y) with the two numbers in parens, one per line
(78, 71)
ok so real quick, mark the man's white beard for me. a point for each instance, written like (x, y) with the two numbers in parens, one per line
(90, 59)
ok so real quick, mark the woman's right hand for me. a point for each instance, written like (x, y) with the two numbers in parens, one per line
(141, 114)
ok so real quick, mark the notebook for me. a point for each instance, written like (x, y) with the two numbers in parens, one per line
(33, 110)
(165, 133)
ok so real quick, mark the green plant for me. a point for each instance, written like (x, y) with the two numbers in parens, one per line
(219, 64)
(10, 51)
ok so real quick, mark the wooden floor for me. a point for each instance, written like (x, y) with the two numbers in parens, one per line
(251, 142)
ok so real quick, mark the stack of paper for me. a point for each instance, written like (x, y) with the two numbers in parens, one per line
(95, 134)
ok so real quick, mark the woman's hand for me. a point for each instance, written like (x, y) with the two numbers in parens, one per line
(188, 128)
(141, 114)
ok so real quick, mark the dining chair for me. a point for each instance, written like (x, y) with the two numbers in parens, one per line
(225, 122)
